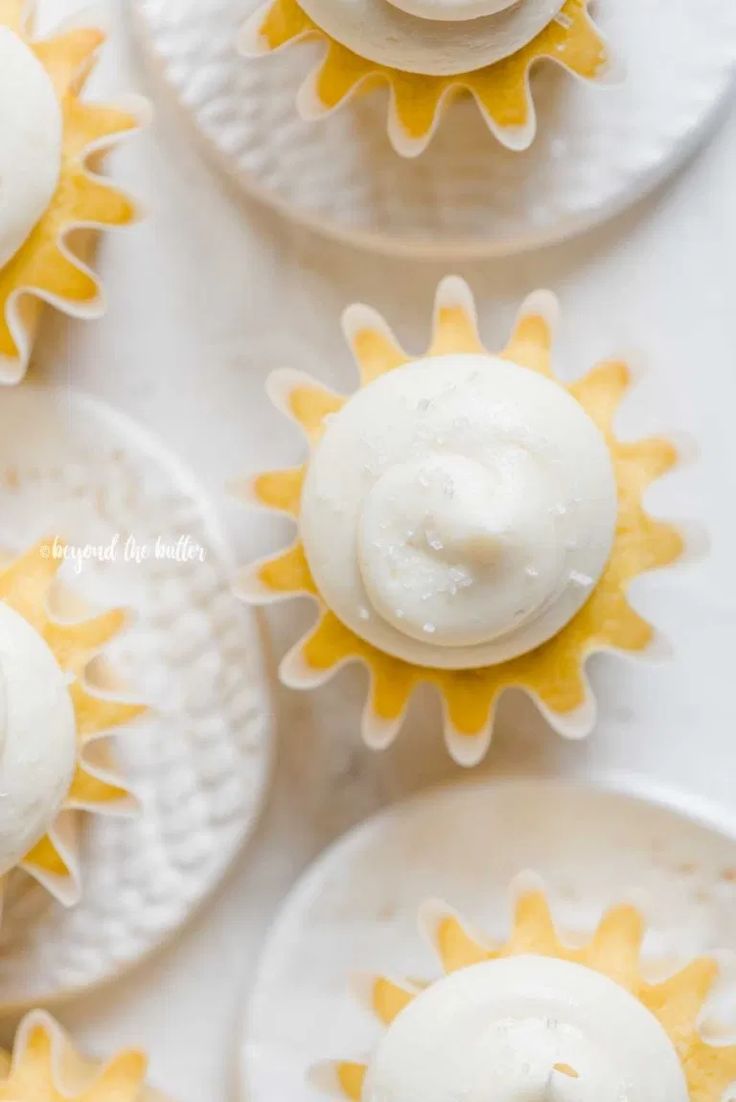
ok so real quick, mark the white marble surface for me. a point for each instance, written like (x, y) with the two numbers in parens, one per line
(205, 298)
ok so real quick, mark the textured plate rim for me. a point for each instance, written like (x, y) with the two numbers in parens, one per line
(186, 480)
(244, 184)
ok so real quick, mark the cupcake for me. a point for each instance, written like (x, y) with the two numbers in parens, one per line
(45, 1067)
(52, 765)
(464, 519)
(429, 51)
(540, 1020)
(52, 142)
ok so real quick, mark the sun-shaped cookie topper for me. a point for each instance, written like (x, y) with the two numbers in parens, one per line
(52, 181)
(502, 562)
(26, 586)
(45, 1067)
(615, 952)
(428, 52)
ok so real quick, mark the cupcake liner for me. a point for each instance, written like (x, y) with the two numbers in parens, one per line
(657, 865)
(46, 1066)
(614, 950)
(199, 760)
(502, 91)
(46, 268)
(553, 674)
(25, 586)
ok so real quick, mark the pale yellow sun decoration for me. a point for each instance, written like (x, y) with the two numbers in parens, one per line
(502, 90)
(25, 586)
(45, 268)
(553, 674)
(45, 1067)
(614, 951)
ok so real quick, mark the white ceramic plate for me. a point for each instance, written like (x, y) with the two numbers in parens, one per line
(200, 762)
(598, 148)
(356, 909)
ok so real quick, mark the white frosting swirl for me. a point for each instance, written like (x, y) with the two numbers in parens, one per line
(433, 37)
(458, 511)
(30, 147)
(452, 9)
(526, 1029)
(37, 738)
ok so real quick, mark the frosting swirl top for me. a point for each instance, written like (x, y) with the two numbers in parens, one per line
(433, 37)
(458, 511)
(448, 10)
(37, 738)
(30, 150)
(526, 1029)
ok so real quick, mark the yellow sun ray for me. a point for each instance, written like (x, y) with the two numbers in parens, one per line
(45, 1067)
(351, 1078)
(375, 350)
(25, 586)
(389, 999)
(280, 490)
(13, 14)
(303, 400)
(615, 951)
(45, 269)
(553, 674)
(501, 90)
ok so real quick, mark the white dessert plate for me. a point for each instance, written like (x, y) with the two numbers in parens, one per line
(199, 762)
(598, 148)
(355, 910)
